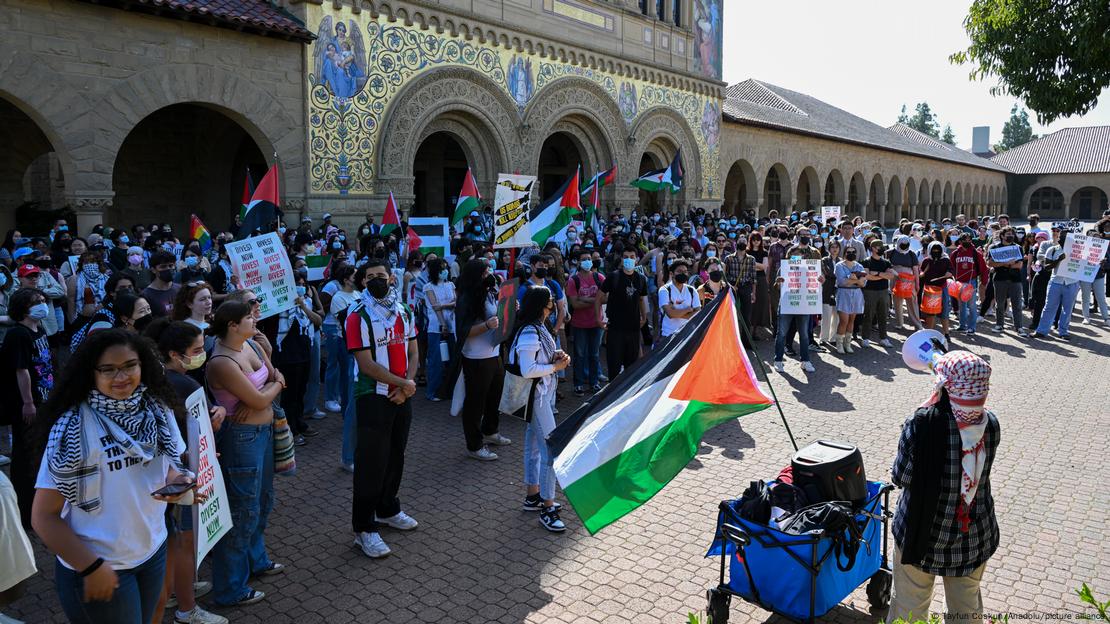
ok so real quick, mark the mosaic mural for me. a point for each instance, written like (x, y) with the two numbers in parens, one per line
(358, 64)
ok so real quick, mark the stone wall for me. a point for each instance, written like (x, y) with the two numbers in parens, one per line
(1022, 188)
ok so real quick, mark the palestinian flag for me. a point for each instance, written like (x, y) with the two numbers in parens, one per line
(605, 178)
(669, 178)
(594, 204)
(263, 206)
(468, 198)
(198, 232)
(627, 442)
(248, 191)
(317, 267)
(556, 213)
(392, 219)
(433, 234)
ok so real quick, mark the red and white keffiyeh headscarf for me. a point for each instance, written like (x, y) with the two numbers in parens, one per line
(966, 377)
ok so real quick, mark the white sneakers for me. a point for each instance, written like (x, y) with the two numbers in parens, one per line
(808, 367)
(886, 343)
(199, 616)
(372, 545)
(866, 342)
(482, 454)
(333, 406)
(402, 521)
(779, 366)
(496, 439)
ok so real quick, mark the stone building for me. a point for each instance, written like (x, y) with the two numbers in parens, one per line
(149, 110)
(1062, 175)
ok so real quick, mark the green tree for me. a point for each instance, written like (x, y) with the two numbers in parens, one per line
(924, 120)
(903, 118)
(1017, 130)
(1054, 55)
(949, 136)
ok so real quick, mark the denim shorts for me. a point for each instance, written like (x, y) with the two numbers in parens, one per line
(179, 519)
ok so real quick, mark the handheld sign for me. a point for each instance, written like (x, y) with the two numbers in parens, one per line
(1082, 256)
(801, 287)
(511, 203)
(1005, 253)
(211, 518)
(261, 264)
(830, 212)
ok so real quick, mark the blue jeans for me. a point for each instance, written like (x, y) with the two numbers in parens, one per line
(969, 310)
(312, 391)
(537, 458)
(337, 351)
(587, 355)
(247, 459)
(433, 363)
(132, 603)
(803, 335)
(1060, 296)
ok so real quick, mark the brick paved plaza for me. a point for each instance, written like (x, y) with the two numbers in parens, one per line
(477, 558)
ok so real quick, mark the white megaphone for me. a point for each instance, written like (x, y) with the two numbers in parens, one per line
(922, 349)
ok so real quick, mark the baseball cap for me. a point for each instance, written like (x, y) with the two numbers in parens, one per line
(22, 251)
(327, 215)
(306, 219)
(28, 269)
(134, 249)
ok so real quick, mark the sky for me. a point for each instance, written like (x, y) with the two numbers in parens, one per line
(869, 57)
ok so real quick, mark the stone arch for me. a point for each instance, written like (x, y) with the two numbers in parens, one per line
(911, 191)
(876, 197)
(1047, 201)
(586, 106)
(808, 190)
(937, 194)
(834, 189)
(30, 163)
(741, 187)
(958, 196)
(857, 195)
(473, 109)
(659, 122)
(895, 201)
(781, 199)
(238, 98)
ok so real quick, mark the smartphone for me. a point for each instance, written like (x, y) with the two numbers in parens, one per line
(173, 489)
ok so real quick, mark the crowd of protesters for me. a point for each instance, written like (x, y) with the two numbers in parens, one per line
(106, 335)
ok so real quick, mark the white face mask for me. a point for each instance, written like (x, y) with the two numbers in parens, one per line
(39, 311)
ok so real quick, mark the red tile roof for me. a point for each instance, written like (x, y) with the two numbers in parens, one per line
(258, 16)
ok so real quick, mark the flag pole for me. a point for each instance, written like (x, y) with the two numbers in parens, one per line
(766, 375)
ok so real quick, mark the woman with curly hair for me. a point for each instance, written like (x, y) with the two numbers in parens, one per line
(114, 441)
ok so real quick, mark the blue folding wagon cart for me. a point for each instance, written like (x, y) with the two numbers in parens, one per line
(799, 576)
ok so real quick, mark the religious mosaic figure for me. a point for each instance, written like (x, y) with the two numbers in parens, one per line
(339, 55)
(707, 37)
(627, 101)
(711, 124)
(520, 80)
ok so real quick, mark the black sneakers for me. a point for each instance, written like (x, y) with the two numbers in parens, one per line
(533, 502)
(549, 518)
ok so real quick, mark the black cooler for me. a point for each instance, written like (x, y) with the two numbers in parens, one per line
(828, 470)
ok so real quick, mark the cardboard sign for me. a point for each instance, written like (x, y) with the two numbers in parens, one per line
(801, 287)
(1070, 226)
(830, 212)
(511, 203)
(1006, 253)
(506, 309)
(1082, 255)
(212, 518)
(261, 264)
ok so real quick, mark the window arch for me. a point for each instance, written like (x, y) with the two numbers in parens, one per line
(1046, 199)
(773, 191)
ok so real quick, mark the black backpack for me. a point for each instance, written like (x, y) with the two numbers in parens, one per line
(836, 521)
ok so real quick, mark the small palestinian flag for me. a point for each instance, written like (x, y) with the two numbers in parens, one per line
(198, 232)
(263, 206)
(556, 213)
(603, 179)
(469, 198)
(626, 443)
(413, 240)
(248, 191)
(317, 267)
(392, 219)
(669, 178)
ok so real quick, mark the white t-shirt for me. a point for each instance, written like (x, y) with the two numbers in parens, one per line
(130, 525)
(340, 301)
(680, 298)
(482, 346)
(15, 548)
(444, 292)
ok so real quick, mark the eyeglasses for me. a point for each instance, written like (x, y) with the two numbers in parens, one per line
(113, 372)
(252, 302)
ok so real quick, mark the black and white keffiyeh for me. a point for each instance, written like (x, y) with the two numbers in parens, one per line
(383, 308)
(140, 426)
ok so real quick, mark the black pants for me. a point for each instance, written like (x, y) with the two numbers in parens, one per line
(382, 433)
(622, 349)
(744, 298)
(480, 413)
(24, 469)
(989, 298)
(292, 397)
(1039, 295)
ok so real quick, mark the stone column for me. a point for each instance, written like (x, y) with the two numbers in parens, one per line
(91, 208)
(881, 209)
(293, 209)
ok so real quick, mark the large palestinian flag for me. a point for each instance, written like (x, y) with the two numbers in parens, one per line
(627, 442)
(669, 178)
(262, 208)
(469, 198)
(556, 213)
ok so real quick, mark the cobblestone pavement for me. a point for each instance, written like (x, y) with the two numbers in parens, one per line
(477, 558)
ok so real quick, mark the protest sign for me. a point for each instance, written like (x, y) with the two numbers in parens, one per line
(261, 264)
(211, 518)
(435, 235)
(830, 212)
(506, 309)
(511, 204)
(801, 287)
(1005, 253)
(1082, 255)
(1070, 226)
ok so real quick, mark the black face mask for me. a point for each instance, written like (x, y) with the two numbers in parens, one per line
(680, 278)
(850, 255)
(903, 246)
(716, 275)
(936, 253)
(142, 322)
(379, 252)
(741, 246)
(1009, 239)
(803, 241)
(166, 275)
(378, 287)
(540, 272)
(490, 281)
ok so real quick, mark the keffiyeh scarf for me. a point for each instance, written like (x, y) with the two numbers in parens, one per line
(383, 308)
(140, 426)
(966, 377)
(96, 284)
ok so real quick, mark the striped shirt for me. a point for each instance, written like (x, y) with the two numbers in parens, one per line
(387, 337)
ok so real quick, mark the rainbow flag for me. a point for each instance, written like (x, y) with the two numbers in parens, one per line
(200, 233)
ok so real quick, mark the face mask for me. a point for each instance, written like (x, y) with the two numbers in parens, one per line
(571, 234)
(1009, 238)
(716, 275)
(903, 246)
(379, 252)
(732, 234)
(492, 262)
(639, 231)
(301, 290)
(43, 263)
(38, 311)
(628, 264)
(936, 253)
(378, 287)
(192, 363)
(282, 230)
(191, 261)
(64, 228)
(135, 259)
(343, 237)
(585, 266)
(336, 245)
(478, 228)
(851, 255)
(710, 254)
(741, 246)
(123, 240)
(490, 281)
(142, 322)
(680, 278)
(302, 272)
(165, 276)
(3, 280)
(443, 275)
(732, 221)
(803, 241)
(670, 261)
(672, 224)
(589, 245)
(90, 271)
(540, 272)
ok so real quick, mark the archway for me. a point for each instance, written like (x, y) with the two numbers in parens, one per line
(876, 196)
(649, 202)
(1046, 201)
(30, 171)
(857, 193)
(834, 189)
(911, 199)
(777, 190)
(740, 188)
(438, 173)
(1088, 203)
(560, 157)
(808, 192)
(182, 159)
